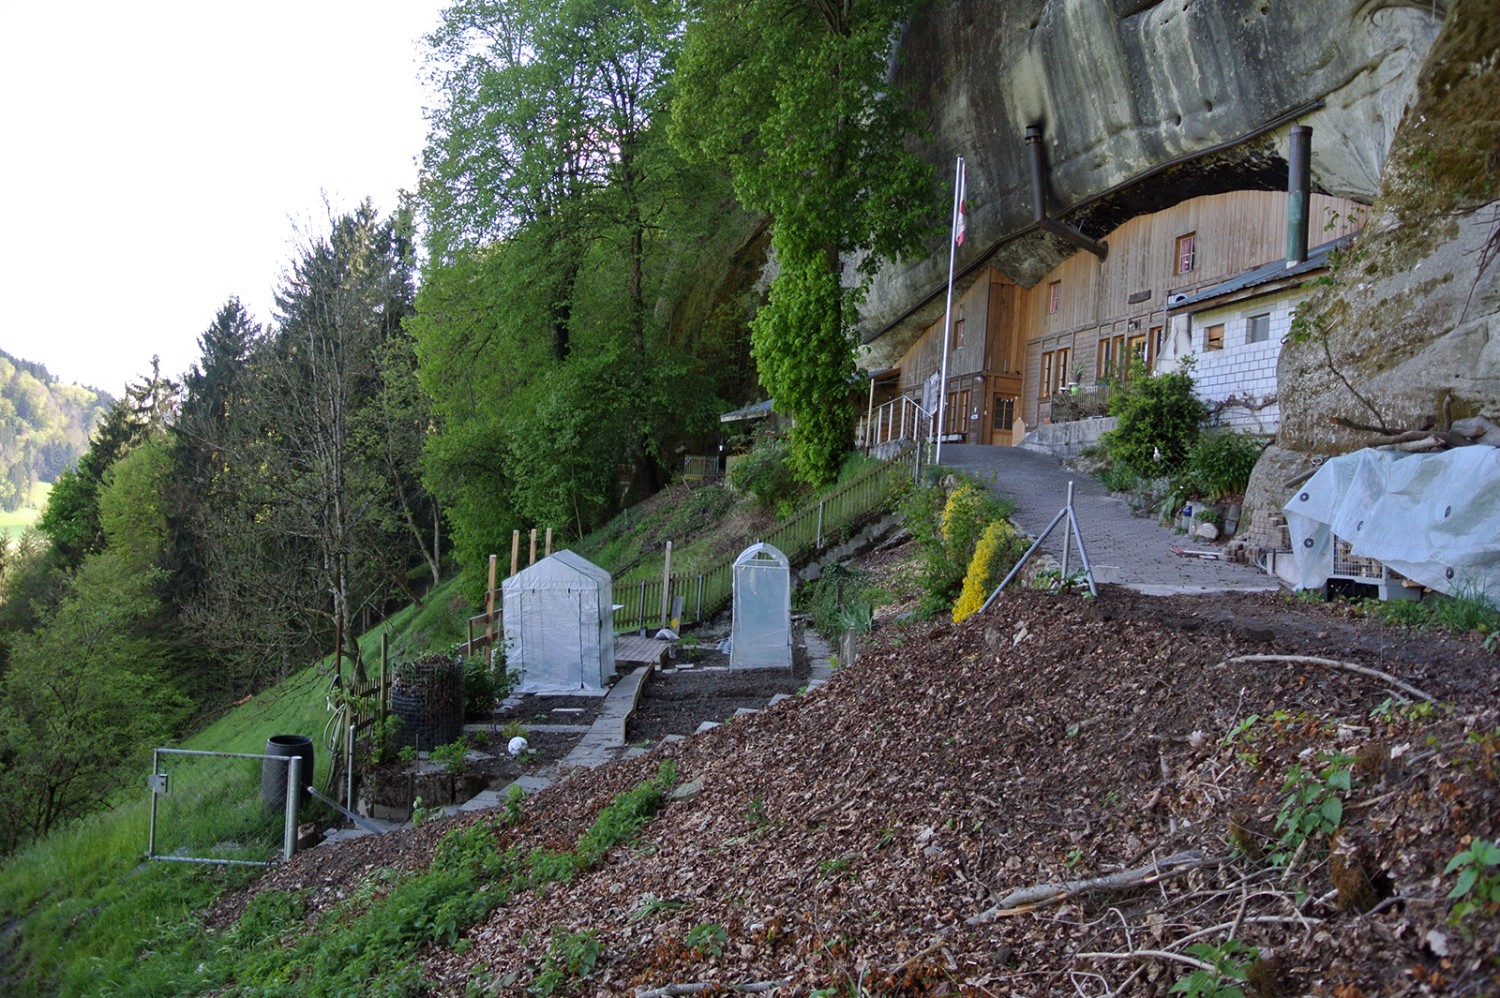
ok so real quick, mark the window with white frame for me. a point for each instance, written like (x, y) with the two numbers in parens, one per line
(1258, 328)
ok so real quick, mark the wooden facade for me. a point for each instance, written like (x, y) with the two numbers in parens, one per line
(1013, 347)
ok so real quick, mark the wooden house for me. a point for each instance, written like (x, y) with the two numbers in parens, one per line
(1015, 351)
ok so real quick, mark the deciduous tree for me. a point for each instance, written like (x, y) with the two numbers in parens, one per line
(796, 100)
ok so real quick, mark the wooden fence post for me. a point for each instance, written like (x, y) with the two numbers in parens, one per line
(489, 615)
(515, 551)
(666, 584)
(532, 561)
(548, 548)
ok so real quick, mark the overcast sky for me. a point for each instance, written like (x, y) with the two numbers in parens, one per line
(159, 156)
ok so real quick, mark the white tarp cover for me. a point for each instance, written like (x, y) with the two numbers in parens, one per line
(559, 625)
(761, 631)
(1435, 518)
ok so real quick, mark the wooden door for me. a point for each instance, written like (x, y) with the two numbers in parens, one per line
(1002, 418)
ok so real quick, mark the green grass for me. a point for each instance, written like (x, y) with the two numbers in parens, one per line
(13, 524)
(1467, 610)
(707, 526)
(97, 915)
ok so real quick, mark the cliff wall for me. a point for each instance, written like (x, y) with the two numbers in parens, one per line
(1143, 105)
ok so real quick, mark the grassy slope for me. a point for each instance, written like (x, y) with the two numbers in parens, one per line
(88, 901)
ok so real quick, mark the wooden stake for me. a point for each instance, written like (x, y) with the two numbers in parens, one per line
(515, 551)
(489, 614)
(533, 547)
(549, 543)
(666, 584)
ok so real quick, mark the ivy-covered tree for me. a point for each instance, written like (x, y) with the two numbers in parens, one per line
(796, 100)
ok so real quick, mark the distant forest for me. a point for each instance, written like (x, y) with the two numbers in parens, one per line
(44, 427)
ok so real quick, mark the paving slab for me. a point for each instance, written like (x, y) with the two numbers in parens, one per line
(606, 735)
(1125, 549)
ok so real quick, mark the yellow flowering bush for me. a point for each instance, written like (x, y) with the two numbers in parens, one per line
(998, 548)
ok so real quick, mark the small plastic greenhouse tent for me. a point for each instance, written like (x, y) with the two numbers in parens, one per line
(559, 625)
(761, 632)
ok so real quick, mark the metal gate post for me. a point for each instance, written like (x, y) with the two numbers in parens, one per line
(155, 769)
(293, 794)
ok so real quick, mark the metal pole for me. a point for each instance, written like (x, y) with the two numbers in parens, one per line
(1069, 507)
(1083, 554)
(819, 542)
(151, 835)
(869, 414)
(942, 406)
(293, 794)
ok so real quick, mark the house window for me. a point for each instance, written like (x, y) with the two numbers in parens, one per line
(956, 419)
(1187, 252)
(1110, 360)
(1047, 369)
(1213, 337)
(958, 333)
(1258, 329)
(1005, 412)
(1062, 369)
(1054, 297)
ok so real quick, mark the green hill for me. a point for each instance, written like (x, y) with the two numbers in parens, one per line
(44, 428)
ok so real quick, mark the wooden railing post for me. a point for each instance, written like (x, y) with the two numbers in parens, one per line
(489, 616)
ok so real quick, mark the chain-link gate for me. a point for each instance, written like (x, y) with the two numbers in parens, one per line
(209, 807)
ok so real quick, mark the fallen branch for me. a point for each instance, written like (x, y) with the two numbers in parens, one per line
(702, 987)
(1027, 899)
(1330, 663)
(1136, 954)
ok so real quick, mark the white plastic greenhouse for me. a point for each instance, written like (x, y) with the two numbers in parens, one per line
(559, 625)
(761, 631)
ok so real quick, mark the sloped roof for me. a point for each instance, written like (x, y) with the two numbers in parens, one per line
(560, 570)
(1276, 270)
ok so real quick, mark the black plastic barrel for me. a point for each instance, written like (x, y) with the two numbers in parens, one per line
(273, 774)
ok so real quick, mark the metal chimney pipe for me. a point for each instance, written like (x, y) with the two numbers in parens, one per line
(1299, 193)
(1034, 147)
(1039, 202)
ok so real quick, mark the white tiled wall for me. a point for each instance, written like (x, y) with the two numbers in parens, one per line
(1243, 370)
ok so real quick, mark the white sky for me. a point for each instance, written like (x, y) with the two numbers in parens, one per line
(155, 156)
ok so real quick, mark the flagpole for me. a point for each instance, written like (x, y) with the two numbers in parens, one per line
(954, 237)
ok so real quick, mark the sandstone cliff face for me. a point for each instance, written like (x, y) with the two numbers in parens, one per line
(1144, 104)
(1406, 331)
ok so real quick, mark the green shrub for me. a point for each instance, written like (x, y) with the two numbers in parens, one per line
(945, 521)
(765, 474)
(484, 684)
(840, 599)
(1219, 465)
(1157, 421)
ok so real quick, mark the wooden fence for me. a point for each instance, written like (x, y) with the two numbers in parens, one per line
(704, 594)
